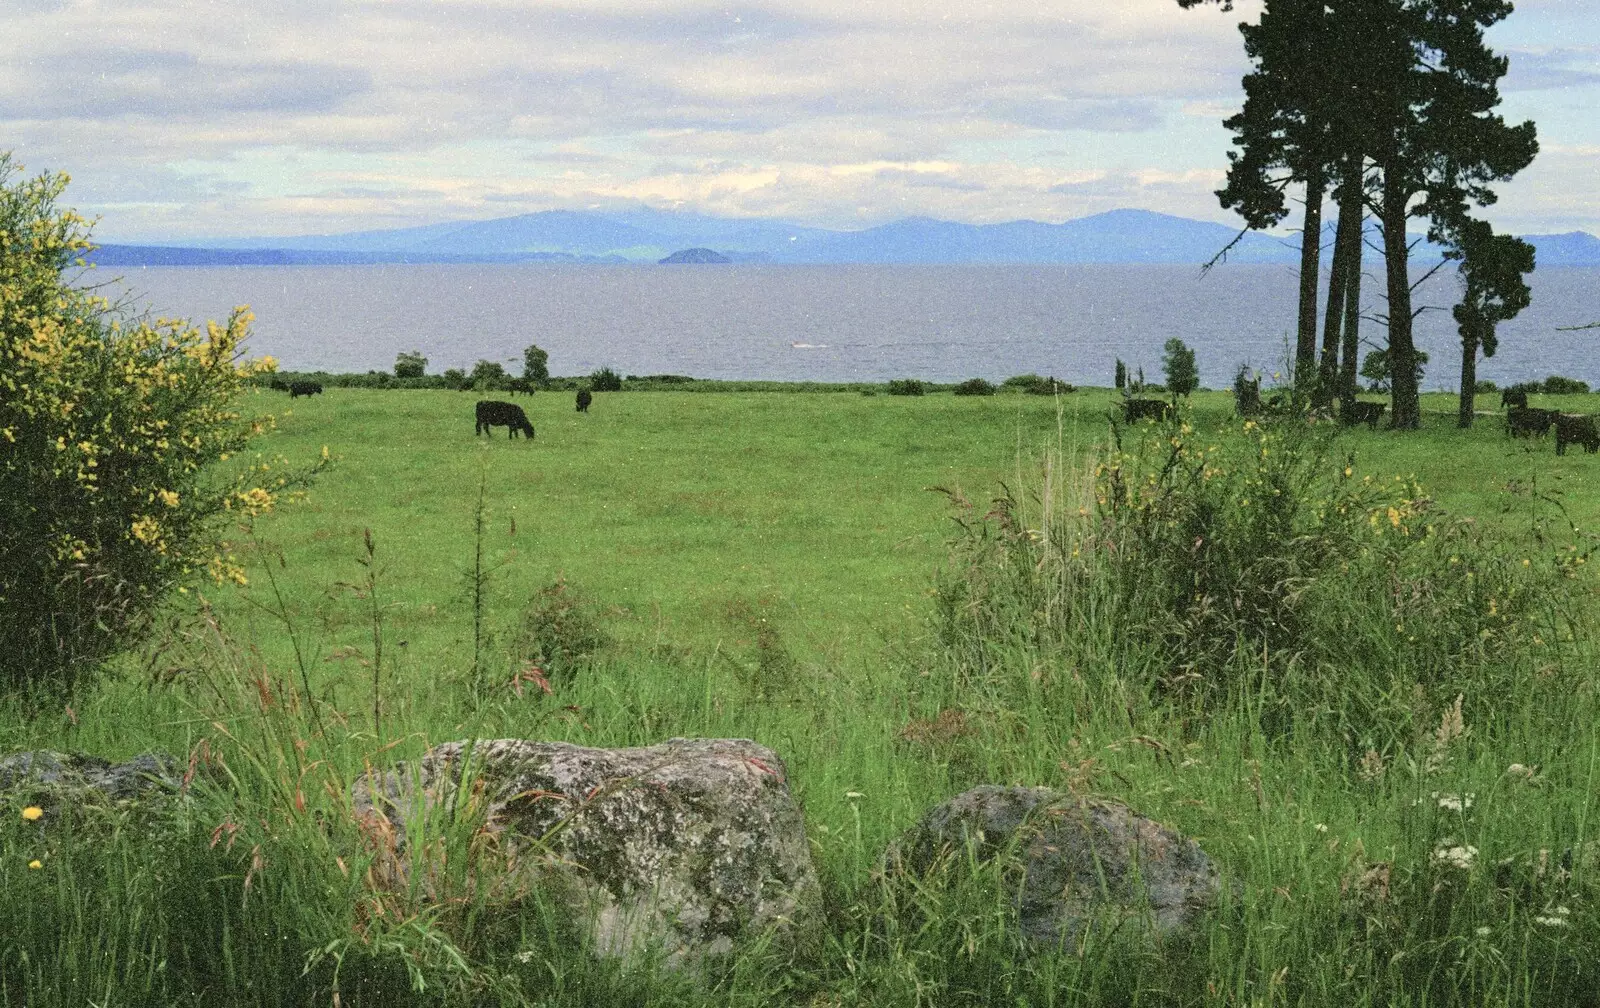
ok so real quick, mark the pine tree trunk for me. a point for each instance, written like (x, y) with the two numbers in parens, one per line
(1346, 246)
(1469, 376)
(1305, 347)
(1350, 353)
(1396, 254)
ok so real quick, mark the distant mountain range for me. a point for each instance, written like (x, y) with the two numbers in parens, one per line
(646, 235)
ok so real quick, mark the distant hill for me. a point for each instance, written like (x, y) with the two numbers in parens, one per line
(695, 256)
(645, 235)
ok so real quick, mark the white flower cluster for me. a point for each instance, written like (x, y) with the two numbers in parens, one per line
(1455, 856)
(1556, 918)
(1454, 803)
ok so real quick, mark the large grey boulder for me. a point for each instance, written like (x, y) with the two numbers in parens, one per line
(49, 778)
(1079, 858)
(685, 847)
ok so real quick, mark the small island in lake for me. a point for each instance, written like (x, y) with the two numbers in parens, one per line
(695, 255)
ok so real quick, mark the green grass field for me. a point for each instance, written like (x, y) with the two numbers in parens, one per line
(766, 566)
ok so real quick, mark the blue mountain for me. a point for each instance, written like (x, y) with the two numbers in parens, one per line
(643, 234)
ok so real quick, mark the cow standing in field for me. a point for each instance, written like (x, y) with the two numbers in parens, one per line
(585, 397)
(493, 413)
(521, 385)
(1529, 421)
(307, 388)
(1369, 413)
(1514, 397)
(1573, 428)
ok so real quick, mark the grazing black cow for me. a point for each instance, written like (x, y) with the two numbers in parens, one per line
(493, 413)
(300, 388)
(1517, 397)
(1529, 421)
(585, 397)
(1134, 410)
(1575, 428)
(1352, 412)
(521, 385)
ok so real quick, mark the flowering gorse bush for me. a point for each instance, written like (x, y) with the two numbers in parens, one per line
(112, 429)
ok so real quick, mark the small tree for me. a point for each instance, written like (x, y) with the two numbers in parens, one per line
(489, 375)
(1375, 369)
(455, 378)
(1122, 376)
(410, 365)
(1177, 362)
(536, 365)
(112, 430)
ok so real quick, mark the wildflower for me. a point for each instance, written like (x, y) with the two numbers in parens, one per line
(1454, 803)
(853, 795)
(524, 957)
(1321, 827)
(1459, 856)
(35, 863)
(1483, 932)
(32, 813)
(1556, 919)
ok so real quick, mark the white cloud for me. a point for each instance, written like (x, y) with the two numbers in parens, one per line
(275, 116)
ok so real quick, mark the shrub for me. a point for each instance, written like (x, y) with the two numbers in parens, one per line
(1022, 381)
(1256, 567)
(1557, 385)
(1177, 363)
(455, 378)
(1050, 386)
(113, 426)
(559, 628)
(1246, 393)
(410, 365)
(1485, 385)
(906, 386)
(605, 380)
(974, 386)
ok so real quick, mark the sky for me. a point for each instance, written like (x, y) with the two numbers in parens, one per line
(187, 120)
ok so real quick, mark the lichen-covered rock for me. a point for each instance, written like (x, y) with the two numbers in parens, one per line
(47, 778)
(684, 847)
(1080, 858)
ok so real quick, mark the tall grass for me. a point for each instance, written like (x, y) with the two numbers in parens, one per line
(1375, 716)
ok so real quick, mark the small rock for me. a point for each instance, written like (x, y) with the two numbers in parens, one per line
(686, 847)
(1080, 858)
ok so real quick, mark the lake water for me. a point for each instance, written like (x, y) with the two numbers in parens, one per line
(833, 323)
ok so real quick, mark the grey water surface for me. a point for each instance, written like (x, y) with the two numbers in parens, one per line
(833, 323)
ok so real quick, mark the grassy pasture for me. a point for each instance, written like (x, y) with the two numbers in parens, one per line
(766, 564)
(694, 516)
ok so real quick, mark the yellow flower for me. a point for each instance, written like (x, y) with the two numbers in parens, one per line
(35, 863)
(168, 497)
(32, 813)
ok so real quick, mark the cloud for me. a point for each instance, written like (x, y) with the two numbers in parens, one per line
(277, 116)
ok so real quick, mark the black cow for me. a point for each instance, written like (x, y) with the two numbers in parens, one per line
(1575, 428)
(1517, 397)
(1352, 412)
(1529, 421)
(522, 385)
(493, 413)
(1134, 410)
(585, 397)
(300, 388)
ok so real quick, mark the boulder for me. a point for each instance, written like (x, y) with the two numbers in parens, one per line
(47, 778)
(684, 848)
(1079, 858)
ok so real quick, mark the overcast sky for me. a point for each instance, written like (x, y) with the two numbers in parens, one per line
(273, 117)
